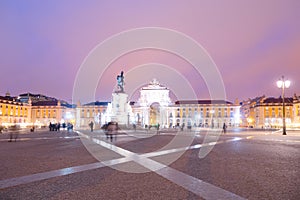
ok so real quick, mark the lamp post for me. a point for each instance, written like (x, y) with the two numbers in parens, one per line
(281, 83)
(128, 116)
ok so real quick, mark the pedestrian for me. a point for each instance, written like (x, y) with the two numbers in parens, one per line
(64, 125)
(50, 126)
(91, 124)
(14, 133)
(224, 128)
(134, 127)
(182, 127)
(112, 130)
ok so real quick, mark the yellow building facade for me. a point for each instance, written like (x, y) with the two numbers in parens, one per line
(14, 112)
(46, 112)
(92, 112)
(260, 112)
(267, 112)
(296, 110)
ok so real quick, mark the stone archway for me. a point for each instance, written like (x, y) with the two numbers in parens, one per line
(154, 114)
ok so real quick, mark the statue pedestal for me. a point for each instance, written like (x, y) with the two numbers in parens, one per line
(120, 108)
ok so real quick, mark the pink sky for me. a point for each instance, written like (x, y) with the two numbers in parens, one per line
(253, 43)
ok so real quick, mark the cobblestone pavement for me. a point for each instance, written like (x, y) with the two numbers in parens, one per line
(85, 165)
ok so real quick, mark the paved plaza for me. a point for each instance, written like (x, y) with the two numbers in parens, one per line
(140, 165)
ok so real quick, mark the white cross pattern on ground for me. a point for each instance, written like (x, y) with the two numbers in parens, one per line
(192, 184)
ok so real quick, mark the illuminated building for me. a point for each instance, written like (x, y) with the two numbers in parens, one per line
(266, 112)
(44, 112)
(248, 113)
(296, 110)
(205, 113)
(13, 111)
(153, 106)
(95, 111)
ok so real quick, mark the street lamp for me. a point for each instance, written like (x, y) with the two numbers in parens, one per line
(281, 83)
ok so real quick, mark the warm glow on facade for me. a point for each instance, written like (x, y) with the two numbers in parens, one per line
(263, 112)
(13, 111)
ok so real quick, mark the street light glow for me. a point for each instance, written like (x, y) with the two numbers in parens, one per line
(279, 83)
(283, 84)
(287, 83)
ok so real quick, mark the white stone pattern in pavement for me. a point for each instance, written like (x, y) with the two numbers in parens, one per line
(192, 184)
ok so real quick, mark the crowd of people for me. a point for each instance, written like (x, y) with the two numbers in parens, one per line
(111, 130)
(57, 126)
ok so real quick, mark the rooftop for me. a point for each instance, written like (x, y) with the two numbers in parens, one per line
(202, 102)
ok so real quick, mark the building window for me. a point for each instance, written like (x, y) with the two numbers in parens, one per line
(267, 114)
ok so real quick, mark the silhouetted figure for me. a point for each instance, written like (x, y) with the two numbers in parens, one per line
(50, 126)
(134, 127)
(112, 130)
(69, 127)
(13, 135)
(54, 127)
(91, 124)
(182, 127)
(224, 128)
(64, 125)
